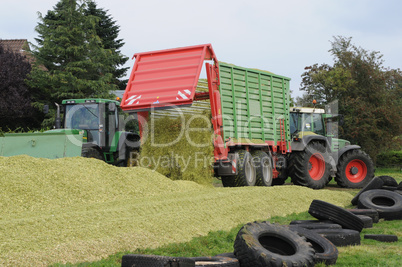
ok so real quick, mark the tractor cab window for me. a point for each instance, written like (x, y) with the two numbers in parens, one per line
(306, 123)
(318, 126)
(83, 117)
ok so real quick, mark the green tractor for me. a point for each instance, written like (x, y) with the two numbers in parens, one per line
(317, 154)
(90, 128)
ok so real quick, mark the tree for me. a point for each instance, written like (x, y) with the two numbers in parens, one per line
(71, 61)
(15, 101)
(369, 95)
(108, 32)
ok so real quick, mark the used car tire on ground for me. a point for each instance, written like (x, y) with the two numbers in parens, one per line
(382, 238)
(327, 211)
(368, 221)
(340, 237)
(388, 180)
(325, 251)
(216, 261)
(316, 225)
(387, 203)
(260, 244)
(373, 214)
(138, 260)
(376, 183)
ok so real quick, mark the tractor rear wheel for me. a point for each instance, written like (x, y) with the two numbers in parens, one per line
(355, 169)
(311, 167)
(91, 152)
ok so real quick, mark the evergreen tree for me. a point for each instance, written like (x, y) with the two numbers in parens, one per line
(108, 32)
(71, 61)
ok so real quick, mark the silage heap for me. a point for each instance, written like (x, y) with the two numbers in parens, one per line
(78, 209)
(180, 147)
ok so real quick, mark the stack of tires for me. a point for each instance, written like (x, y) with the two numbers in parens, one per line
(302, 242)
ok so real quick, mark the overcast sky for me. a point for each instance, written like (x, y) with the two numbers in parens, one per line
(279, 36)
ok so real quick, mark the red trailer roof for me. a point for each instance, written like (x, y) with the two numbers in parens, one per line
(165, 78)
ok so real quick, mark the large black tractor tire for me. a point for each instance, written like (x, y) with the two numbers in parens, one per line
(264, 244)
(138, 260)
(311, 167)
(246, 175)
(387, 203)
(376, 183)
(327, 211)
(263, 168)
(325, 251)
(91, 152)
(355, 169)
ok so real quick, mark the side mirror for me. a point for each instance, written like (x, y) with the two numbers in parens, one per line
(112, 107)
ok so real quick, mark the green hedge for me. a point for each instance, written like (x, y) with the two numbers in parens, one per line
(390, 159)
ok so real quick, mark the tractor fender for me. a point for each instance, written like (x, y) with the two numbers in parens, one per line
(301, 145)
(338, 154)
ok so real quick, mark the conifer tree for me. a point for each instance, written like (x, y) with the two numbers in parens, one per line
(71, 59)
(108, 32)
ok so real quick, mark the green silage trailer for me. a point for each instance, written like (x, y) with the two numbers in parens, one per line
(252, 139)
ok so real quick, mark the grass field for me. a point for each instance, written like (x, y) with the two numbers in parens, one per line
(87, 213)
(369, 253)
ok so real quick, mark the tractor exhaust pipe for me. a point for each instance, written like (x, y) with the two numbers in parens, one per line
(58, 117)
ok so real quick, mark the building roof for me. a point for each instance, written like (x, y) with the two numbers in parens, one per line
(20, 46)
(15, 45)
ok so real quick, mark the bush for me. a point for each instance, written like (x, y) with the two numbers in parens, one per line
(390, 158)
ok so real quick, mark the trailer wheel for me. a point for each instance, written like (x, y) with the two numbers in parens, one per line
(263, 168)
(311, 167)
(91, 152)
(246, 175)
(355, 169)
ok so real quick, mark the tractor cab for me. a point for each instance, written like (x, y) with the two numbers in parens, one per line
(98, 117)
(307, 121)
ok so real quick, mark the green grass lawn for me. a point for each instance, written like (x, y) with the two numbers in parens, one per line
(369, 253)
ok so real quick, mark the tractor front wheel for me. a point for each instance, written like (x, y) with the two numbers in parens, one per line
(355, 169)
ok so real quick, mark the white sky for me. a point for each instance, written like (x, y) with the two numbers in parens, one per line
(279, 36)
